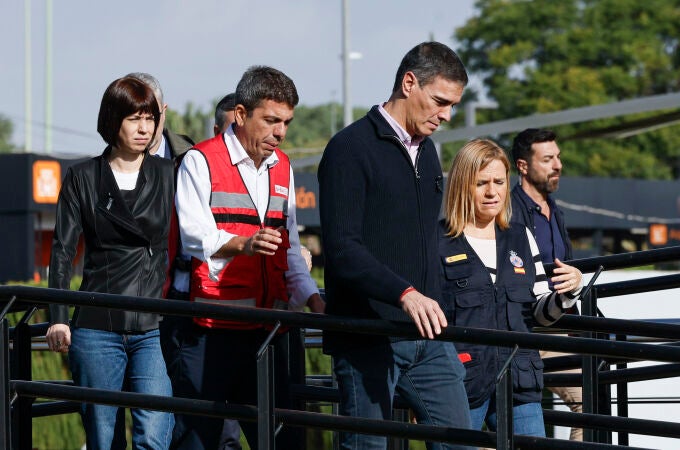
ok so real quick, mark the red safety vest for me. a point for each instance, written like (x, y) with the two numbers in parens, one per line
(255, 281)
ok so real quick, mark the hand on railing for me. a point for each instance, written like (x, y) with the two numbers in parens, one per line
(425, 312)
(58, 338)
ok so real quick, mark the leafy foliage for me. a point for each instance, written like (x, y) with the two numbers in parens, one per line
(193, 122)
(313, 126)
(6, 129)
(543, 56)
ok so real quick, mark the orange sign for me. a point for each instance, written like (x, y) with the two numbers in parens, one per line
(658, 234)
(46, 181)
(304, 199)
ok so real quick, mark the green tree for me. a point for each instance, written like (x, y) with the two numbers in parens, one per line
(542, 56)
(193, 122)
(6, 129)
(313, 126)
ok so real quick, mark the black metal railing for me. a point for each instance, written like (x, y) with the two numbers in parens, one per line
(19, 391)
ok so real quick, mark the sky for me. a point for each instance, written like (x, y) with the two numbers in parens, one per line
(199, 49)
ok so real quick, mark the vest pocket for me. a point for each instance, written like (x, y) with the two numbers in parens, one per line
(520, 309)
(469, 309)
(474, 378)
(527, 374)
(457, 270)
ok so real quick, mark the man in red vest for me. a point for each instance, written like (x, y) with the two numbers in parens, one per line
(236, 208)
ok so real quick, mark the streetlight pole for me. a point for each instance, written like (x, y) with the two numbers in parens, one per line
(28, 101)
(471, 108)
(347, 107)
(48, 77)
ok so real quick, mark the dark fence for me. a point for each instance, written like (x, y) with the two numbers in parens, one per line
(603, 343)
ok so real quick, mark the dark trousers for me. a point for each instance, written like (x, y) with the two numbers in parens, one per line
(220, 365)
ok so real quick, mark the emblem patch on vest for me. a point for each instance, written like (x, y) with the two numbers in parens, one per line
(517, 262)
(281, 190)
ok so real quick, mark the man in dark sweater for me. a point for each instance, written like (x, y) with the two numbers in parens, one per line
(380, 187)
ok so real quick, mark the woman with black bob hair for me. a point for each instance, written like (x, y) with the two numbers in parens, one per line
(120, 203)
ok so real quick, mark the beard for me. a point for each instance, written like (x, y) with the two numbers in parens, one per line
(546, 185)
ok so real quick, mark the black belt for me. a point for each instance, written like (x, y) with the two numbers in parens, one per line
(174, 294)
(182, 264)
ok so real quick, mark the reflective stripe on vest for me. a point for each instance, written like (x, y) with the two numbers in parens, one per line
(249, 302)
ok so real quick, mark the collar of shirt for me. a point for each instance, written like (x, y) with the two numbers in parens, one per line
(239, 155)
(546, 231)
(161, 148)
(411, 143)
(531, 204)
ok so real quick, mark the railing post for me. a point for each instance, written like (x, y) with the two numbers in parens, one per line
(397, 443)
(589, 371)
(297, 369)
(504, 431)
(622, 397)
(22, 419)
(266, 420)
(5, 430)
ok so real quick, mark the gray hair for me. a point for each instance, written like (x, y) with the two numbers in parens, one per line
(150, 81)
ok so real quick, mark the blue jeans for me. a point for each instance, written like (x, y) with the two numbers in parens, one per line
(426, 374)
(116, 361)
(220, 365)
(527, 418)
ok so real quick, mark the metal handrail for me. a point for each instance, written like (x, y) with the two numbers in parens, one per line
(623, 260)
(292, 418)
(364, 326)
(611, 350)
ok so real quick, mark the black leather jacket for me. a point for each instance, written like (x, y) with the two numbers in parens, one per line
(125, 250)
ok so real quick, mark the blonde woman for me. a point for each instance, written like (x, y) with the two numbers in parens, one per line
(493, 278)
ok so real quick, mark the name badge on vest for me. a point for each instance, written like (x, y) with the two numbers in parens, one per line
(456, 258)
(281, 190)
(517, 262)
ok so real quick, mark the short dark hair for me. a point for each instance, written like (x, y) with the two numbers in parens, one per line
(260, 83)
(429, 60)
(521, 145)
(125, 96)
(228, 103)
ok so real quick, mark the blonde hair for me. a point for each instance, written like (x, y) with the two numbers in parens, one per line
(459, 205)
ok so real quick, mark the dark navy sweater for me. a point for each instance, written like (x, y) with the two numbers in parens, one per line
(379, 224)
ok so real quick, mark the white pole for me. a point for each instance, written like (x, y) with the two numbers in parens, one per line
(48, 76)
(28, 112)
(347, 116)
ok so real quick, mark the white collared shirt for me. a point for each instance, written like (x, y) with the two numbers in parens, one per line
(162, 148)
(411, 144)
(199, 233)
